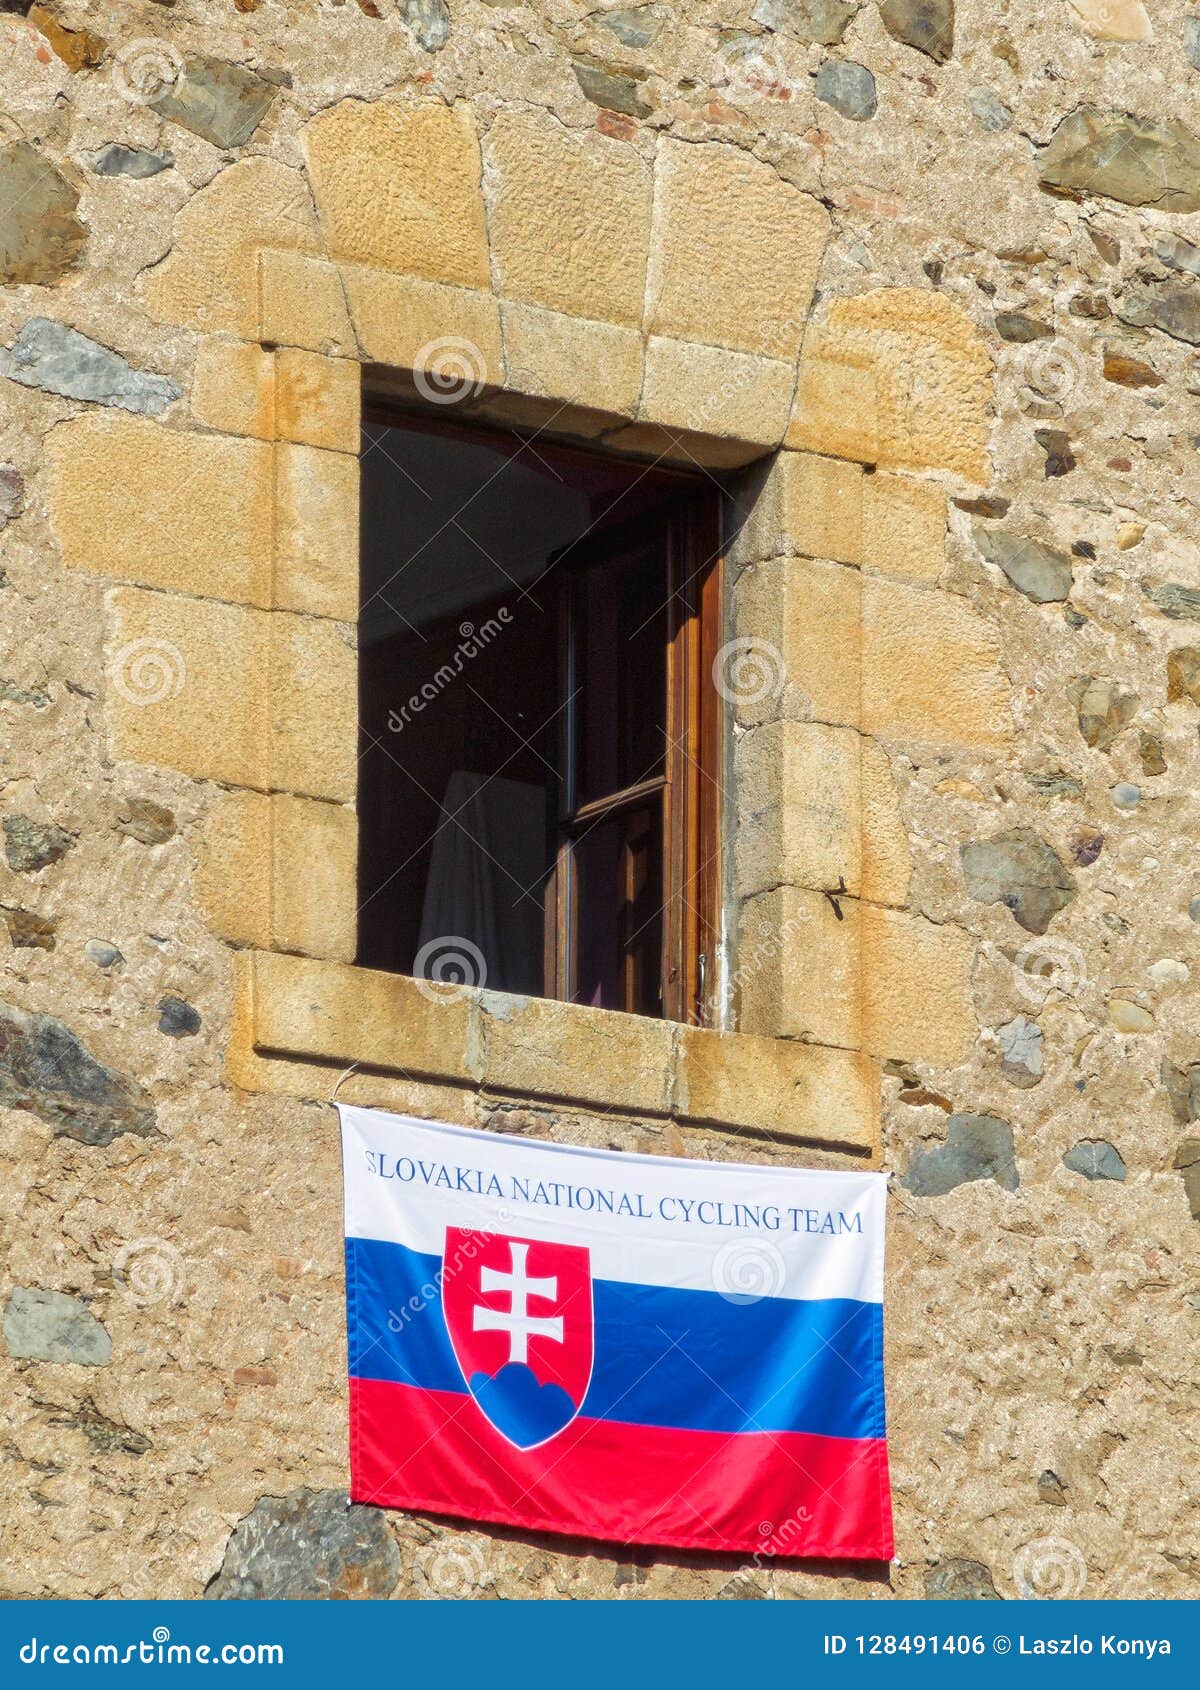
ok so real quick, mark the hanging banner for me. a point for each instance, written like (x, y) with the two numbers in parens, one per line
(636, 1348)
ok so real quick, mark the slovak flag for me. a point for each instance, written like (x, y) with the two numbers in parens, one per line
(641, 1349)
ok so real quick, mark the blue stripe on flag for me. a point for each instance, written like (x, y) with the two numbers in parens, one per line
(664, 1357)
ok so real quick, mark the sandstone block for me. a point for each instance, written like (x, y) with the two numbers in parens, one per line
(317, 399)
(209, 279)
(798, 973)
(340, 1014)
(591, 365)
(916, 988)
(316, 531)
(222, 692)
(804, 505)
(904, 527)
(234, 388)
(449, 335)
(735, 251)
(802, 622)
(279, 872)
(397, 184)
(547, 1049)
(302, 302)
(931, 671)
(132, 500)
(799, 815)
(793, 1091)
(707, 390)
(910, 384)
(570, 219)
(886, 858)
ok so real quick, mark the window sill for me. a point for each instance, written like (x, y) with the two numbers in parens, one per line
(298, 1022)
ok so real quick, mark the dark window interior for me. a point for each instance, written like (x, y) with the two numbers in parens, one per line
(527, 611)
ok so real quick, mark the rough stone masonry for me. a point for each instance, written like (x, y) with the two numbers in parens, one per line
(944, 260)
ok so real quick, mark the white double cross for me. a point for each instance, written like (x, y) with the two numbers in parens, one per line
(520, 1325)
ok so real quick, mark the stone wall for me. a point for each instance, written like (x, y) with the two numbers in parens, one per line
(922, 287)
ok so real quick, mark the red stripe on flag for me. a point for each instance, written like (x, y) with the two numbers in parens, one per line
(764, 1494)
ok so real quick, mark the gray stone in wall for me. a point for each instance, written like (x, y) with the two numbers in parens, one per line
(976, 1147)
(958, 1580)
(989, 110)
(1041, 572)
(1103, 709)
(633, 26)
(1015, 326)
(1136, 160)
(1020, 871)
(1180, 603)
(41, 237)
(220, 102)
(1182, 1086)
(119, 160)
(177, 1019)
(428, 23)
(1166, 306)
(927, 25)
(1095, 1158)
(611, 87)
(822, 21)
(1022, 1048)
(50, 1326)
(308, 1544)
(848, 87)
(1191, 40)
(45, 1069)
(1187, 1160)
(12, 493)
(1178, 253)
(57, 359)
(30, 846)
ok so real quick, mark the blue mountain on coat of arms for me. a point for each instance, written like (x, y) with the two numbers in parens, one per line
(517, 1404)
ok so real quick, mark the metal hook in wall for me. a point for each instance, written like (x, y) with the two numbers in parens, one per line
(341, 1078)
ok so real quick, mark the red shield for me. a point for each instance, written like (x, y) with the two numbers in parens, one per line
(519, 1315)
